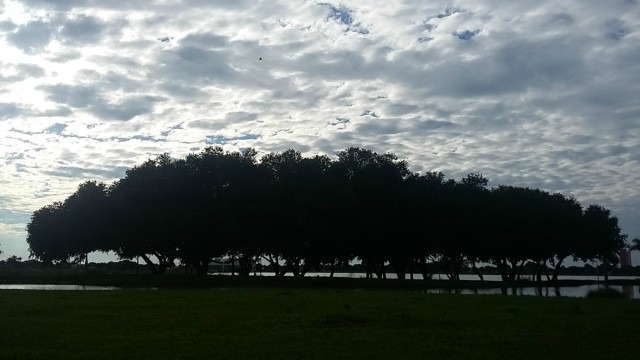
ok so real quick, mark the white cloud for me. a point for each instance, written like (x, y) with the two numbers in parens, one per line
(539, 94)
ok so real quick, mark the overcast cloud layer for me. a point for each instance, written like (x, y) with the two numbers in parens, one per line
(540, 94)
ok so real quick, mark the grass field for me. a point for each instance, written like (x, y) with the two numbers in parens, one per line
(286, 323)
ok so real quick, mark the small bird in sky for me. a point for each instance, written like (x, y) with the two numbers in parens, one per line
(260, 59)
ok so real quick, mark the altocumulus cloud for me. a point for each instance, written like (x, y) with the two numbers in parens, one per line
(539, 94)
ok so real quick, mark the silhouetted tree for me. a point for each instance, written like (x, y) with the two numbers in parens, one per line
(563, 231)
(218, 186)
(86, 213)
(602, 239)
(242, 207)
(515, 219)
(148, 205)
(46, 234)
(302, 213)
(299, 211)
(458, 217)
(376, 182)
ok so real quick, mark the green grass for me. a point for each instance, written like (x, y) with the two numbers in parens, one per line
(288, 323)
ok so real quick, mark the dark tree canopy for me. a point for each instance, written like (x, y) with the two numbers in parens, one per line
(300, 213)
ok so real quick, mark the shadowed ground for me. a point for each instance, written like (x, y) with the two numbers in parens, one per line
(322, 323)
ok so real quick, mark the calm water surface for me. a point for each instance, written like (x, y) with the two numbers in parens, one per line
(54, 287)
(631, 291)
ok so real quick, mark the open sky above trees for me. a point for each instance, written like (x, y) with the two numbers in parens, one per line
(535, 94)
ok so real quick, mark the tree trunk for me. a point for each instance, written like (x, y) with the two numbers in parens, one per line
(306, 267)
(477, 271)
(412, 264)
(368, 270)
(297, 269)
(514, 270)
(423, 269)
(457, 266)
(246, 264)
(502, 265)
(163, 263)
(274, 263)
(162, 267)
(293, 264)
(446, 266)
(556, 270)
(537, 274)
(202, 267)
(399, 267)
(154, 269)
(284, 269)
(233, 265)
(378, 270)
(520, 267)
(546, 270)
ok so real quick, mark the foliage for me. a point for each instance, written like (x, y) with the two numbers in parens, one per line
(302, 213)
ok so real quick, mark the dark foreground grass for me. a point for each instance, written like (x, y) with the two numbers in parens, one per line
(261, 323)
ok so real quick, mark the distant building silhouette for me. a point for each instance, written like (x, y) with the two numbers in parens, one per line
(625, 257)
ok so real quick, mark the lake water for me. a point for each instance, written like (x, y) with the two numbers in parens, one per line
(631, 291)
(462, 276)
(54, 287)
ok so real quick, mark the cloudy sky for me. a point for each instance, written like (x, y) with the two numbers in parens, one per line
(542, 94)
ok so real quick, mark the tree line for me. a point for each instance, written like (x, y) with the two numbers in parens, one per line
(299, 213)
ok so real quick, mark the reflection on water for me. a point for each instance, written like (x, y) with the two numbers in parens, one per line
(54, 287)
(488, 277)
(630, 291)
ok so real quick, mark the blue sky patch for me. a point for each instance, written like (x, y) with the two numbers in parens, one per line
(222, 140)
(448, 12)
(56, 128)
(616, 30)
(341, 14)
(340, 121)
(466, 35)
(14, 217)
(369, 113)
